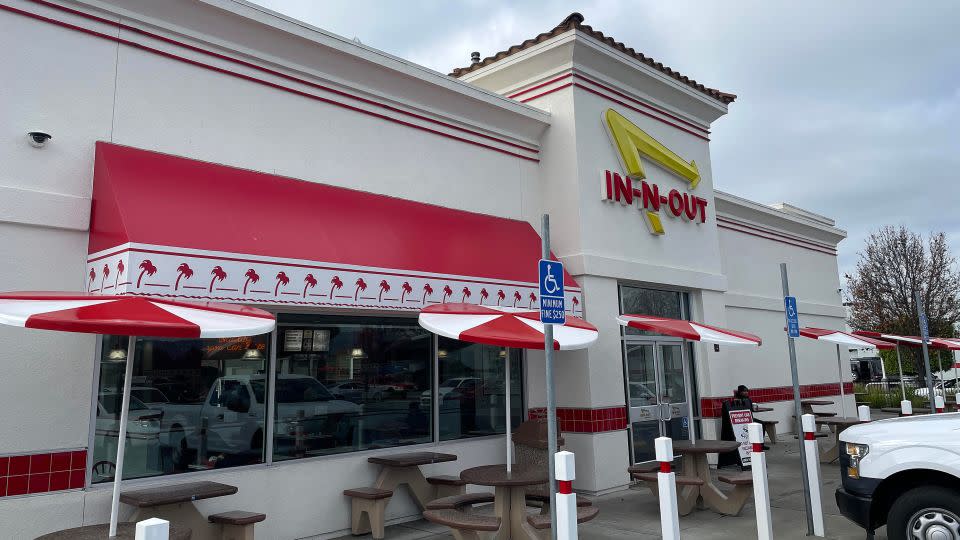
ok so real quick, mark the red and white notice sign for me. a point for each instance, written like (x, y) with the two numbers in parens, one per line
(740, 419)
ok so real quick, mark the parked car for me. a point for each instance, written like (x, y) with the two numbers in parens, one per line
(142, 441)
(231, 419)
(948, 388)
(903, 473)
(149, 395)
(455, 388)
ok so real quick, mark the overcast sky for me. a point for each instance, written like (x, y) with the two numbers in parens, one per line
(849, 109)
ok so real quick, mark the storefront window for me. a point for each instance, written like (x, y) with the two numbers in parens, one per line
(194, 405)
(472, 389)
(641, 301)
(350, 383)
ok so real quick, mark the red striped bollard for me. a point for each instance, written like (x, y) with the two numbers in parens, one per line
(566, 503)
(809, 424)
(152, 529)
(863, 413)
(761, 491)
(938, 404)
(667, 487)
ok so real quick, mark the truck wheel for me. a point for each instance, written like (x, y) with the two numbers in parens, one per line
(927, 513)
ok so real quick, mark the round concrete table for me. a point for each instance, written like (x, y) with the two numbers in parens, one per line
(695, 464)
(125, 531)
(510, 498)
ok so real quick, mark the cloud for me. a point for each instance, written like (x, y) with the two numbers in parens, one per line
(849, 109)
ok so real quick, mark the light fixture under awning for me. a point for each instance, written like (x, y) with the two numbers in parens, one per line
(170, 226)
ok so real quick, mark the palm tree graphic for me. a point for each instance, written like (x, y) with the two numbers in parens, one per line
(516, 298)
(447, 291)
(483, 295)
(93, 276)
(407, 289)
(309, 282)
(183, 271)
(218, 275)
(147, 267)
(501, 296)
(384, 287)
(427, 291)
(335, 284)
(576, 302)
(106, 274)
(466, 294)
(361, 286)
(252, 277)
(116, 282)
(282, 279)
(533, 298)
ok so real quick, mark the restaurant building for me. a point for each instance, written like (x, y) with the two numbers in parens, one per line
(212, 149)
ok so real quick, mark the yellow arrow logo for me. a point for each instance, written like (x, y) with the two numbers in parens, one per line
(631, 141)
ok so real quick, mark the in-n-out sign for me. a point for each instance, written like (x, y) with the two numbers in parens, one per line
(631, 142)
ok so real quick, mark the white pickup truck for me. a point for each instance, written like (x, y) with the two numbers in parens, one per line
(903, 473)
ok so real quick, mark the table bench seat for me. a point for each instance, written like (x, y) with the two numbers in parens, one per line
(736, 478)
(368, 507)
(644, 467)
(446, 485)
(463, 525)
(681, 480)
(538, 526)
(456, 502)
(237, 524)
(542, 495)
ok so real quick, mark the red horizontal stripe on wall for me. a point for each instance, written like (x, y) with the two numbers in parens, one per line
(710, 407)
(577, 420)
(43, 472)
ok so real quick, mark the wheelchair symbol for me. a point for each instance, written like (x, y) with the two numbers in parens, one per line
(550, 285)
(790, 311)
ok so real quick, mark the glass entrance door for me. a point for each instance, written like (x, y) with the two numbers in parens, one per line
(658, 394)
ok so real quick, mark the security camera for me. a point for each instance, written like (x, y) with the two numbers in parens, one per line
(38, 138)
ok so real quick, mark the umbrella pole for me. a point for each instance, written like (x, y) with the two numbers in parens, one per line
(122, 437)
(509, 428)
(843, 408)
(903, 389)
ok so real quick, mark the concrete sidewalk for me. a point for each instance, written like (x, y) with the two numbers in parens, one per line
(634, 513)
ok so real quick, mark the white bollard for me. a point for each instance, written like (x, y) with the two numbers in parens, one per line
(761, 491)
(667, 486)
(809, 423)
(938, 403)
(906, 408)
(863, 413)
(566, 504)
(153, 529)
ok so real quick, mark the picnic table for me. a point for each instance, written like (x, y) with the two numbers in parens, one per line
(404, 468)
(695, 464)
(125, 531)
(806, 405)
(174, 503)
(836, 425)
(510, 493)
(757, 408)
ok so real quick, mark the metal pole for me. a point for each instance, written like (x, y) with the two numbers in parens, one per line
(506, 351)
(798, 414)
(924, 337)
(122, 436)
(843, 407)
(551, 398)
(903, 389)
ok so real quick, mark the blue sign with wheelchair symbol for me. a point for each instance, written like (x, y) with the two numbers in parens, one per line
(552, 306)
(793, 318)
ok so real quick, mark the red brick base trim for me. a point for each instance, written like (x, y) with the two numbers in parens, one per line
(710, 407)
(40, 473)
(574, 420)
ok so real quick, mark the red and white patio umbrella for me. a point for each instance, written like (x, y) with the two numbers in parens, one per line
(689, 330)
(692, 331)
(910, 341)
(129, 316)
(843, 338)
(504, 327)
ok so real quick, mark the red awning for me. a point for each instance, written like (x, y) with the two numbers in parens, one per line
(170, 226)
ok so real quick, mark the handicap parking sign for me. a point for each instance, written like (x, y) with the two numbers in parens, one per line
(793, 318)
(552, 309)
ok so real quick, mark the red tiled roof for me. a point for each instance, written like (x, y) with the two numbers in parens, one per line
(575, 22)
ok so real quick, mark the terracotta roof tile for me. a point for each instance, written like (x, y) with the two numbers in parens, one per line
(575, 22)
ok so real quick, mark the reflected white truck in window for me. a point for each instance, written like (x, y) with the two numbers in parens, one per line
(231, 421)
(903, 473)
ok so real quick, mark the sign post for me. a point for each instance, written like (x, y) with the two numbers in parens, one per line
(551, 312)
(925, 337)
(793, 331)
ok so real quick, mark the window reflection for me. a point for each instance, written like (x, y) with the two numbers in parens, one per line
(472, 389)
(193, 405)
(350, 383)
